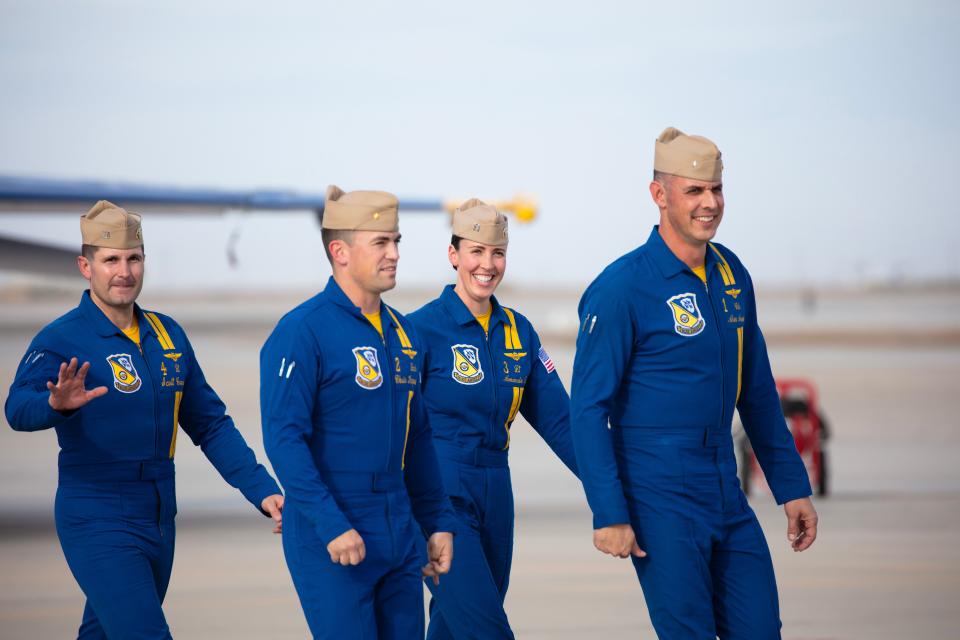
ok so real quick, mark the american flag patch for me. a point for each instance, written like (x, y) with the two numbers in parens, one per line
(546, 360)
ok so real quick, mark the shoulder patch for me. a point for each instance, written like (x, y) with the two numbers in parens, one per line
(546, 360)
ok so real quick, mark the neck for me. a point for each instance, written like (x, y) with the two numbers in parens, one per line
(476, 307)
(121, 316)
(368, 301)
(691, 254)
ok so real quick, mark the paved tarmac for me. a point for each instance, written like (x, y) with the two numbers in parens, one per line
(886, 565)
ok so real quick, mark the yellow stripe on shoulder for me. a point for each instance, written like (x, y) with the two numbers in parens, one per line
(724, 266)
(511, 337)
(162, 334)
(404, 339)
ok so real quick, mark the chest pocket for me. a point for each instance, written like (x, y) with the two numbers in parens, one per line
(172, 373)
(735, 315)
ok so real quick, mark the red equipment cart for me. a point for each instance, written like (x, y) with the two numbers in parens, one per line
(801, 408)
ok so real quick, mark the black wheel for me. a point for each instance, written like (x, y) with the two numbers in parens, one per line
(823, 481)
(746, 466)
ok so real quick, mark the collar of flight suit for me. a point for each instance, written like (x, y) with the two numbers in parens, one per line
(667, 263)
(335, 294)
(462, 315)
(102, 324)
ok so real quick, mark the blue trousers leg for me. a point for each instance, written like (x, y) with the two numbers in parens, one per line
(468, 603)
(703, 586)
(113, 545)
(675, 577)
(398, 600)
(745, 601)
(379, 599)
(708, 571)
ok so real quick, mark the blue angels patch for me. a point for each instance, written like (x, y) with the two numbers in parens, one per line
(687, 319)
(125, 376)
(466, 364)
(368, 367)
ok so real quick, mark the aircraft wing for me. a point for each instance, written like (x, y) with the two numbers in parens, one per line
(25, 194)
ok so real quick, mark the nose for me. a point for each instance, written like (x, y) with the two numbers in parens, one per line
(393, 251)
(123, 270)
(709, 200)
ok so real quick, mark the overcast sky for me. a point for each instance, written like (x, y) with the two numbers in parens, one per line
(838, 123)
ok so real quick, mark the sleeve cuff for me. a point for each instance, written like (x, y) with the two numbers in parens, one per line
(799, 490)
(264, 487)
(332, 528)
(610, 516)
(52, 417)
(447, 524)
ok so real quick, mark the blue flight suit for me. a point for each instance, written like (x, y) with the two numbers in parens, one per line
(345, 430)
(665, 359)
(474, 385)
(116, 501)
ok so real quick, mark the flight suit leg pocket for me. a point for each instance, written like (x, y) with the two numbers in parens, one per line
(469, 498)
(702, 479)
(651, 467)
(79, 504)
(141, 503)
(450, 476)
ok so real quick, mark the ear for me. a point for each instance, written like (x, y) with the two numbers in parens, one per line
(453, 257)
(659, 194)
(339, 252)
(84, 266)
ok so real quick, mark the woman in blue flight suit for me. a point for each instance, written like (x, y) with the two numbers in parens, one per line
(484, 364)
(116, 416)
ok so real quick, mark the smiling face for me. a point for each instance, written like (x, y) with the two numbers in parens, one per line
(115, 275)
(690, 210)
(480, 269)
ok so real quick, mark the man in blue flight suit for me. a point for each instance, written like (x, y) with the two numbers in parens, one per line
(484, 364)
(668, 347)
(116, 502)
(345, 428)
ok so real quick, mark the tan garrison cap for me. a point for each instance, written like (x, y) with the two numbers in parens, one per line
(687, 156)
(110, 226)
(481, 222)
(360, 210)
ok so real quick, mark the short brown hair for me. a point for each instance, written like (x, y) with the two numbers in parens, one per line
(90, 250)
(329, 235)
(661, 177)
